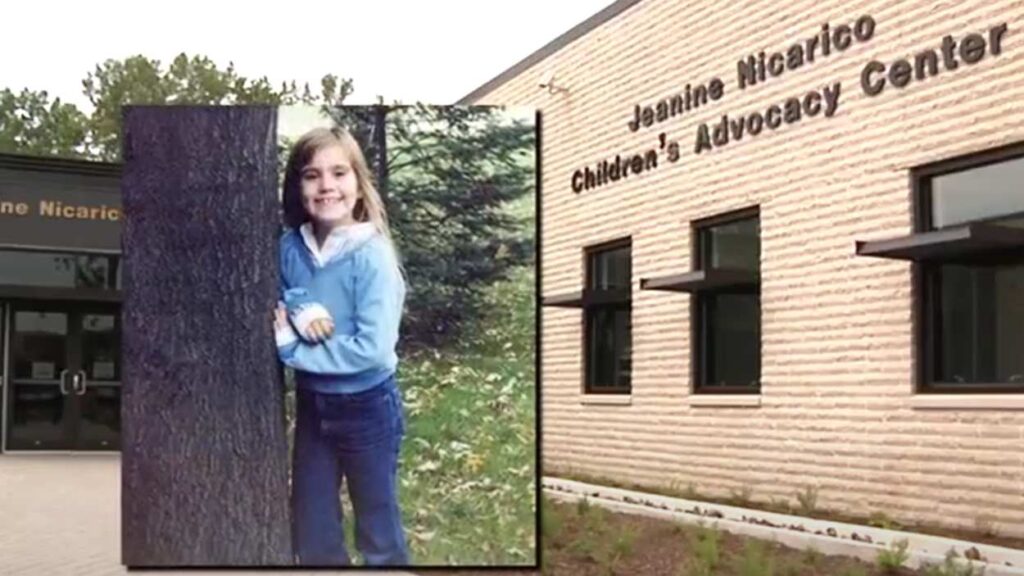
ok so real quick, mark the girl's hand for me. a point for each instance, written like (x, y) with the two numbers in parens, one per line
(320, 330)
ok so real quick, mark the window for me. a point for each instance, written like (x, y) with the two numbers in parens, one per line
(607, 318)
(973, 306)
(726, 302)
(968, 251)
(58, 270)
(727, 309)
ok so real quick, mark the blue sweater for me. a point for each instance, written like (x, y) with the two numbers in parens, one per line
(364, 292)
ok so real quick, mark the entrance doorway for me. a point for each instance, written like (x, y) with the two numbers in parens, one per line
(63, 381)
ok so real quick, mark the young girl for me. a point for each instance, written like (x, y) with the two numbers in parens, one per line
(337, 326)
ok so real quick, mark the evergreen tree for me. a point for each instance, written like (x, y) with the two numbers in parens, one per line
(459, 192)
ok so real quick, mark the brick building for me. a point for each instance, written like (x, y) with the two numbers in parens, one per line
(782, 247)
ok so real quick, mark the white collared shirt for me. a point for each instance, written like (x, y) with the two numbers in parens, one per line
(341, 240)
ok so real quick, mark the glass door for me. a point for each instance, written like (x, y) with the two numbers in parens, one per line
(97, 333)
(3, 375)
(39, 404)
(64, 377)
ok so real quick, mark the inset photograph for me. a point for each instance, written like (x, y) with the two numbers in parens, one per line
(329, 332)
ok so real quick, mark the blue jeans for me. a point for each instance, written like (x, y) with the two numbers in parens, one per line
(358, 436)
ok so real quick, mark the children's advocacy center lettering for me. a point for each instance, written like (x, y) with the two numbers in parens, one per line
(758, 68)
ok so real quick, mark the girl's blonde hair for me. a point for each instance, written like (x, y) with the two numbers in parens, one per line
(369, 206)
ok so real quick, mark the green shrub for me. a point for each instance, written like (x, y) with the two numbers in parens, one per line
(952, 567)
(622, 546)
(585, 546)
(882, 520)
(756, 560)
(705, 546)
(550, 520)
(582, 507)
(892, 558)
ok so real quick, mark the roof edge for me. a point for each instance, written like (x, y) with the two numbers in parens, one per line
(59, 164)
(574, 33)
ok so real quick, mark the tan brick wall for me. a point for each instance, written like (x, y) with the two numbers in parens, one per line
(836, 329)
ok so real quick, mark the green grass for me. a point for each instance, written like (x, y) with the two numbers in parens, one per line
(467, 477)
(756, 560)
(552, 522)
(705, 545)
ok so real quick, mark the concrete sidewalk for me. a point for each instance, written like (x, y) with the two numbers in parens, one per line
(60, 514)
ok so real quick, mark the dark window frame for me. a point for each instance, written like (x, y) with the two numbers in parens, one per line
(926, 275)
(699, 340)
(110, 292)
(592, 300)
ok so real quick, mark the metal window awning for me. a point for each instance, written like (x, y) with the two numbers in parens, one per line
(977, 239)
(570, 300)
(698, 280)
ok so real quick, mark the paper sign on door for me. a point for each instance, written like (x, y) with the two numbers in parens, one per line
(103, 370)
(42, 370)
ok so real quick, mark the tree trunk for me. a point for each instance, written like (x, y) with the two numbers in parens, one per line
(204, 458)
(380, 137)
(368, 125)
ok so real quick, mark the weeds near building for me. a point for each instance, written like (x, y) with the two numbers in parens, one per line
(951, 567)
(891, 559)
(808, 500)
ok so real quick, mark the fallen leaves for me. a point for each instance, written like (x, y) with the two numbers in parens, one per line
(468, 462)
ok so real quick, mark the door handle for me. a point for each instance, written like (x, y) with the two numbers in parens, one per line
(63, 377)
(82, 374)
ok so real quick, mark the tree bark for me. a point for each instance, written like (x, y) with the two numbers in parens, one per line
(204, 452)
(380, 137)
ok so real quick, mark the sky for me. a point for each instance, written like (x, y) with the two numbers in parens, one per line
(433, 51)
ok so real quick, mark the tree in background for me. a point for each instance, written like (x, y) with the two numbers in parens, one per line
(31, 124)
(455, 177)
